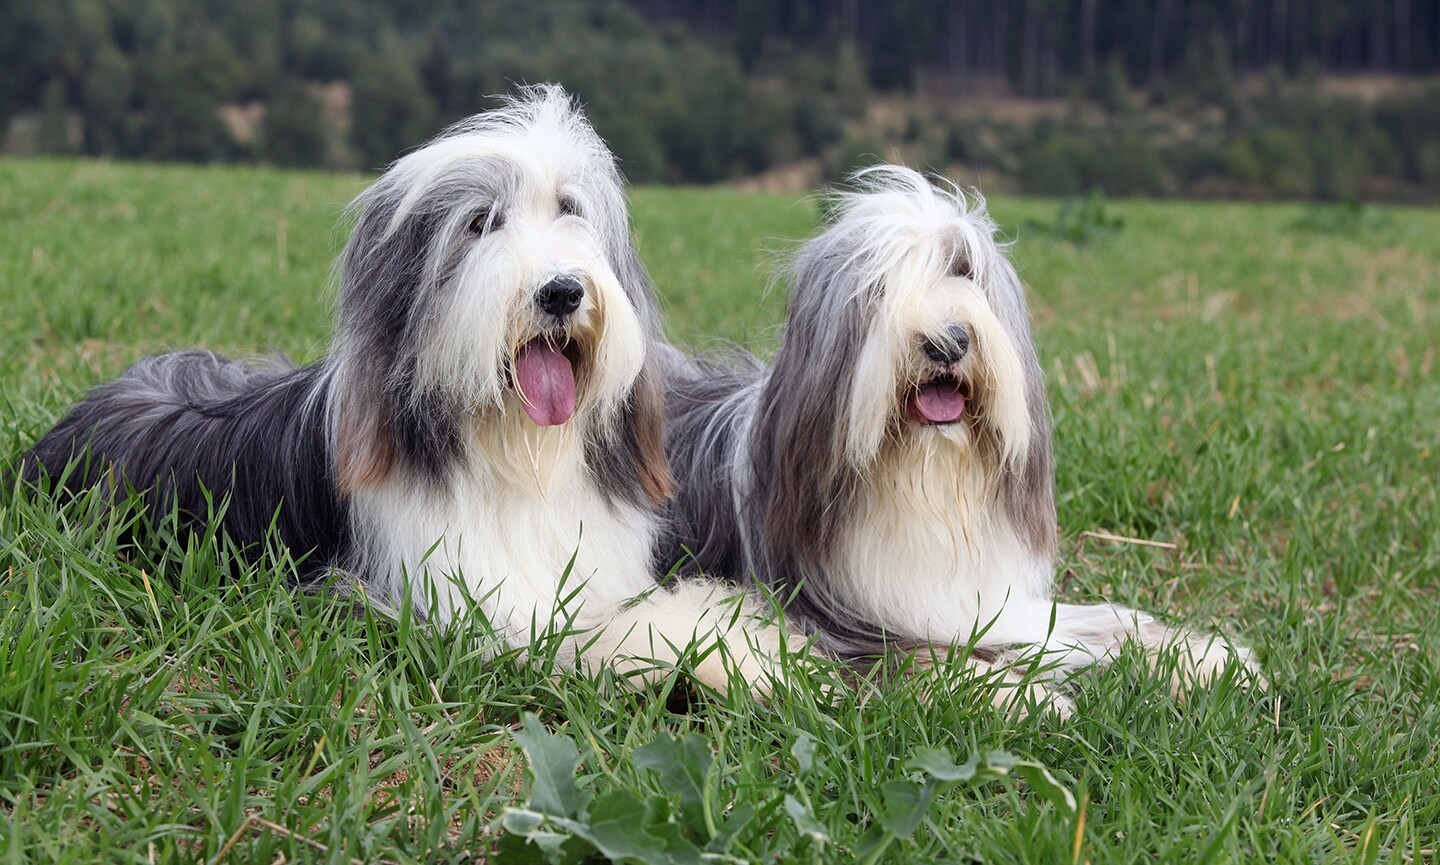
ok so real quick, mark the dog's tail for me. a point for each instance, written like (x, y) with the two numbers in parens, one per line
(191, 429)
(126, 423)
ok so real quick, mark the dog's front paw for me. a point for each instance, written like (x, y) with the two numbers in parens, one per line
(1004, 679)
(1019, 695)
(1201, 659)
(758, 653)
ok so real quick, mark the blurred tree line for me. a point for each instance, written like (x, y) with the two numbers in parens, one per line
(1037, 45)
(704, 90)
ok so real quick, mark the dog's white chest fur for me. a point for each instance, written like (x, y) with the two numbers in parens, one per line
(931, 555)
(506, 533)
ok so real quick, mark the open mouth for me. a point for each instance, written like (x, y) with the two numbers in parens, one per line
(544, 377)
(940, 400)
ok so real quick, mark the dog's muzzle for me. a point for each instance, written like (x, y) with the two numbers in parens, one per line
(560, 296)
(941, 395)
(949, 349)
(543, 373)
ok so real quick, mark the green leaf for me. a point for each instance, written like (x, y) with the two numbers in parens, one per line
(805, 821)
(804, 752)
(1000, 761)
(873, 843)
(740, 817)
(904, 804)
(682, 765)
(519, 821)
(620, 829)
(1045, 785)
(530, 841)
(681, 849)
(936, 763)
(553, 761)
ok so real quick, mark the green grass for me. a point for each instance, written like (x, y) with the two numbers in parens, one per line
(1253, 385)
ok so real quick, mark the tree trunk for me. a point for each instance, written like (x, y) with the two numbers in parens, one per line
(1157, 40)
(1030, 50)
(957, 55)
(1001, 58)
(1087, 36)
(1278, 28)
(1402, 35)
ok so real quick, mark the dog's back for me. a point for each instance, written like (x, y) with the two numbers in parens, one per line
(188, 429)
(707, 405)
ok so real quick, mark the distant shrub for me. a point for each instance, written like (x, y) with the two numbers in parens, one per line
(956, 148)
(1080, 221)
(816, 126)
(1110, 88)
(848, 83)
(1285, 165)
(391, 112)
(1055, 167)
(1349, 218)
(54, 135)
(293, 133)
(1339, 165)
(106, 96)
(1128, 166)
(1411, 122)
(855, 153)
(1198, 160)
(1242, 164)
(1206, 75)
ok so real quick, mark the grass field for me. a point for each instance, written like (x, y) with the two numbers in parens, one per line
(1254, 387)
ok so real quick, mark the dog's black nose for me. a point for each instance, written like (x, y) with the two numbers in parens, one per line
(949, 349)
(560, 296)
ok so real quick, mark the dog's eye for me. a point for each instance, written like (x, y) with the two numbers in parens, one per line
(569, 206)
(960, 267)
(486, 221)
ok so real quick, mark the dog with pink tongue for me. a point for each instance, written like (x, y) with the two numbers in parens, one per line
(890, 473)
(486, 432)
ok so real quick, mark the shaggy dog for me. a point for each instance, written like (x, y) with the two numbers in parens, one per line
(491, 393)
(891, 472)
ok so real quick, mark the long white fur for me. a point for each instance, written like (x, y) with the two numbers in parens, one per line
(928, 552)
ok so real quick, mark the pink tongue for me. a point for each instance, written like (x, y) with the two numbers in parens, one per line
(938, 403)
(546, 382)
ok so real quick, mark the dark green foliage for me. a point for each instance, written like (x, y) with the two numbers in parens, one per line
(178, 94)
(55, 119)
(1056, 167)
(1348, 219)
(692, 813)
(1127, 165)
(1411, 123)
(391, 111)
(852, 155)
(816, 125)
(698, 93)
(1080, 221)
(293, 132)
(107, 97)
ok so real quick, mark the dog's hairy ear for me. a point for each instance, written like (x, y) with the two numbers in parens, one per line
(648, 421)
(645, 445)
(364, 449)
(1030, 491)
(381, 270)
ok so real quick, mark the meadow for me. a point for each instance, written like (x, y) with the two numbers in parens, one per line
(1251, 390)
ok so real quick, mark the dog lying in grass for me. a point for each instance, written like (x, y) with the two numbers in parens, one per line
(492, 391)
(890, 473)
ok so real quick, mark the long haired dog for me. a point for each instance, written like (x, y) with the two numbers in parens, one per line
(491, 392)
(891, 472)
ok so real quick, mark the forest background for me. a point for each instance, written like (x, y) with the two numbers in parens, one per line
(1301, 99)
